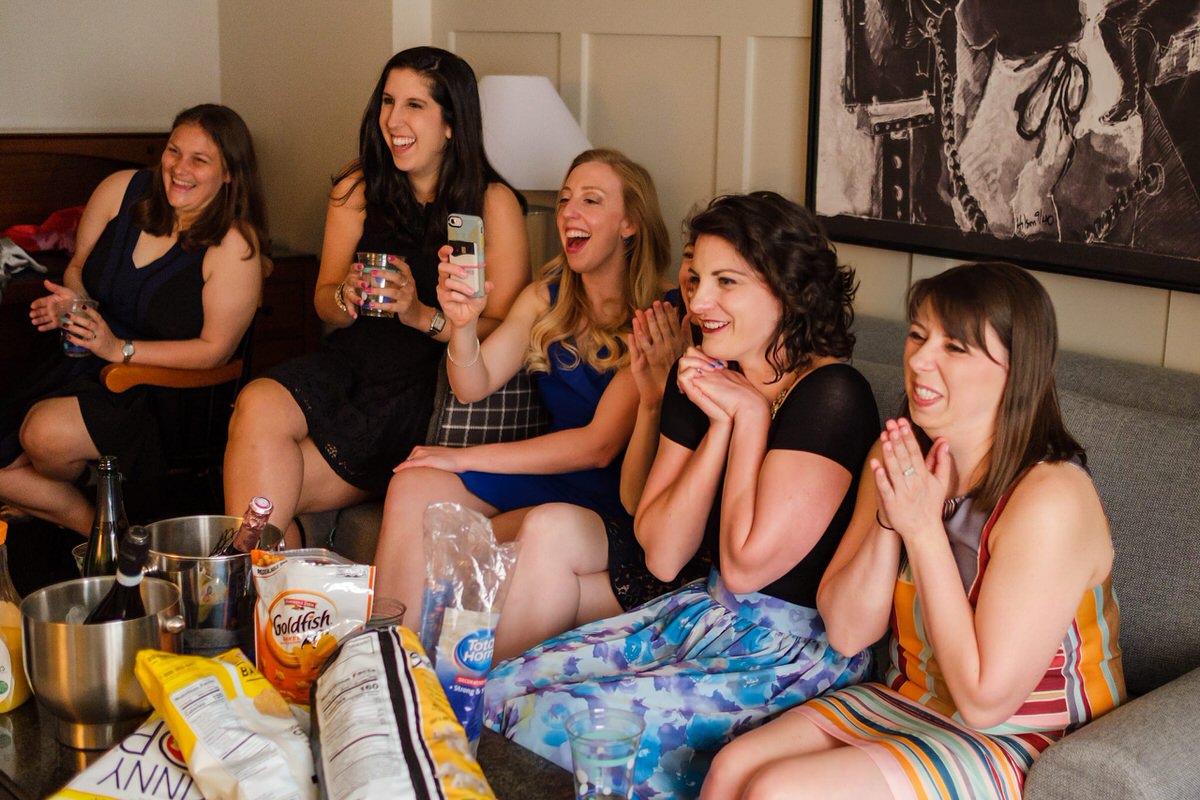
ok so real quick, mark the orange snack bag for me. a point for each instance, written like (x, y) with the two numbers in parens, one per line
(308, 601)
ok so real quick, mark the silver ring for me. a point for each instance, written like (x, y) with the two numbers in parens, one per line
(910, 471)
(699, 371)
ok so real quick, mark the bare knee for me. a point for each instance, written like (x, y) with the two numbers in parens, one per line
(264, 405)
(47, 435)
(728, 773)
(544, 525)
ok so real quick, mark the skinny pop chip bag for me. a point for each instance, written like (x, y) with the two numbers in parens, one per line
(238, 736)
(308, 601)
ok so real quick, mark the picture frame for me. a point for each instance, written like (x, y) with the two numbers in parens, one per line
(1062, 140)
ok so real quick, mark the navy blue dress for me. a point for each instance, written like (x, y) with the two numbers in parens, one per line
(570, 395)
(161, 300)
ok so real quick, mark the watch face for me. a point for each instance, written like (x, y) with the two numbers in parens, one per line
(127, 350)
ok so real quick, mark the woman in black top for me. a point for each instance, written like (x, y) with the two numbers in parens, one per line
(757, 465)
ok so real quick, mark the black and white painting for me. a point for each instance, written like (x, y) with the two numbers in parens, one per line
(1060, 134)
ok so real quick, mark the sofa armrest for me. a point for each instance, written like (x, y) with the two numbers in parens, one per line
(1144, 750)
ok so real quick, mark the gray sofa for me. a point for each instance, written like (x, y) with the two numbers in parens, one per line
(1141, 427)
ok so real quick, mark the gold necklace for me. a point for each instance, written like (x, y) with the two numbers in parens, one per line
(783, 393)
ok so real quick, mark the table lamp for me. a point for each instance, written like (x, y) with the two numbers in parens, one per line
(531, 139)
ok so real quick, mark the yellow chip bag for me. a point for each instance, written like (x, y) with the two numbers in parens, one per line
(238, 736)
(308, 601)
(383, 728)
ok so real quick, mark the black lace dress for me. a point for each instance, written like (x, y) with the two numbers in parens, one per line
(367, 395)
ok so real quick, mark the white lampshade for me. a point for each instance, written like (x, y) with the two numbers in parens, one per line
(528, 132)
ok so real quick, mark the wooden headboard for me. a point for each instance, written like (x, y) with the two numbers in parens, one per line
(43, 172)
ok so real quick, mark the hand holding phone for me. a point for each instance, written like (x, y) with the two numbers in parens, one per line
(464, 233)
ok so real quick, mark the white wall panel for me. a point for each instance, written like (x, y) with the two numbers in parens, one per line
(654, 98)
(508, 53)
(1183, 333)
(777, 117)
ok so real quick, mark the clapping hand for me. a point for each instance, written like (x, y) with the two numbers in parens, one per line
(46, 312)
(659, 338)
(911, 487)
(455, 294)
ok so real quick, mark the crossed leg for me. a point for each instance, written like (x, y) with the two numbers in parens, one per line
(791, 758)
(56, 447)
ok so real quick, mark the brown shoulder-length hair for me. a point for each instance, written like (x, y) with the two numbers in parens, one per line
(788, 248)
(1029, 425)
(238, 204)
(647, 252)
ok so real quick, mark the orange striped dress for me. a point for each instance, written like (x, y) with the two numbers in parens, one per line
(911, 728)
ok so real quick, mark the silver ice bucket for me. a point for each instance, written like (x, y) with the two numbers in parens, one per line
(217, 594)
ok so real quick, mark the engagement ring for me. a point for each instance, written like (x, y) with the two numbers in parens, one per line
(909, 471)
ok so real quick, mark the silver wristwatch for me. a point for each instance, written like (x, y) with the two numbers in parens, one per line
(127, 351)
(436, 323)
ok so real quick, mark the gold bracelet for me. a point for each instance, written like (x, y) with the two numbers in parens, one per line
(473, 361)
(340, 298)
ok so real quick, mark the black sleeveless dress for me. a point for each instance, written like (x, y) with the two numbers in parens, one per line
(161, 300)
(368, 394)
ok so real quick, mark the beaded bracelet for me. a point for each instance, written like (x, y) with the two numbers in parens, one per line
(340, 298)
(472, 362)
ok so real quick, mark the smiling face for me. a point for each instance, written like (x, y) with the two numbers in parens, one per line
(953, 387)
(591, 219)
(193, 171)
(735, 308)
(413, 126)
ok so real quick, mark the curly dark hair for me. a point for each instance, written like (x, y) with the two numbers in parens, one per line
(786, 245)
(465, 172)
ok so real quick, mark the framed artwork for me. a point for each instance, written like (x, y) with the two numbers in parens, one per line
(1058, 134)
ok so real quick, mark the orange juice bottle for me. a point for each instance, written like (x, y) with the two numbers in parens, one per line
(14, 686)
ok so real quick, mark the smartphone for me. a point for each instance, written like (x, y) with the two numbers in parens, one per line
(464, 232)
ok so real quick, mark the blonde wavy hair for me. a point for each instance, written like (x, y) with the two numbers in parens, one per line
(647, 251)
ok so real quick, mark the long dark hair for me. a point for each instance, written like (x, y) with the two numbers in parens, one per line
(465, 170)
(238, 204)
(1029, 424)
(787, 246)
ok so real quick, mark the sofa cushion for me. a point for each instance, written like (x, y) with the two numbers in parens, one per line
(1144, 750)
(1146, 467)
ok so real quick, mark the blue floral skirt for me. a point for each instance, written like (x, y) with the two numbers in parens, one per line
(701, 665)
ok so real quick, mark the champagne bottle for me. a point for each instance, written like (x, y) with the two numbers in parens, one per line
(124, 599)
(109, 524)
(247, 537)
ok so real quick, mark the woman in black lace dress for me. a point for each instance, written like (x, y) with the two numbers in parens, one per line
(323, 431)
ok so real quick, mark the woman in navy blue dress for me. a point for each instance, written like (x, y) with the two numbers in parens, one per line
(173, 257)
(566, 328)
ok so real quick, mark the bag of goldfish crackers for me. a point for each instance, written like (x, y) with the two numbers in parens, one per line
(308, 601)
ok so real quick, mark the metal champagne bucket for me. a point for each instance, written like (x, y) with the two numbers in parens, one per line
(83, 674)
(216, 594)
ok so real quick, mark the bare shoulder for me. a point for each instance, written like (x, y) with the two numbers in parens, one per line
(350, 192)
(498, 197)
(1055, 508)
(233, 253)
(533, 299)
(108, 194)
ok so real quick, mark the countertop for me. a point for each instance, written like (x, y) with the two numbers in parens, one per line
(33, 764)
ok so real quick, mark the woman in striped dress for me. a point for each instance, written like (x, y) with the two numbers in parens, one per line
(979, 536)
